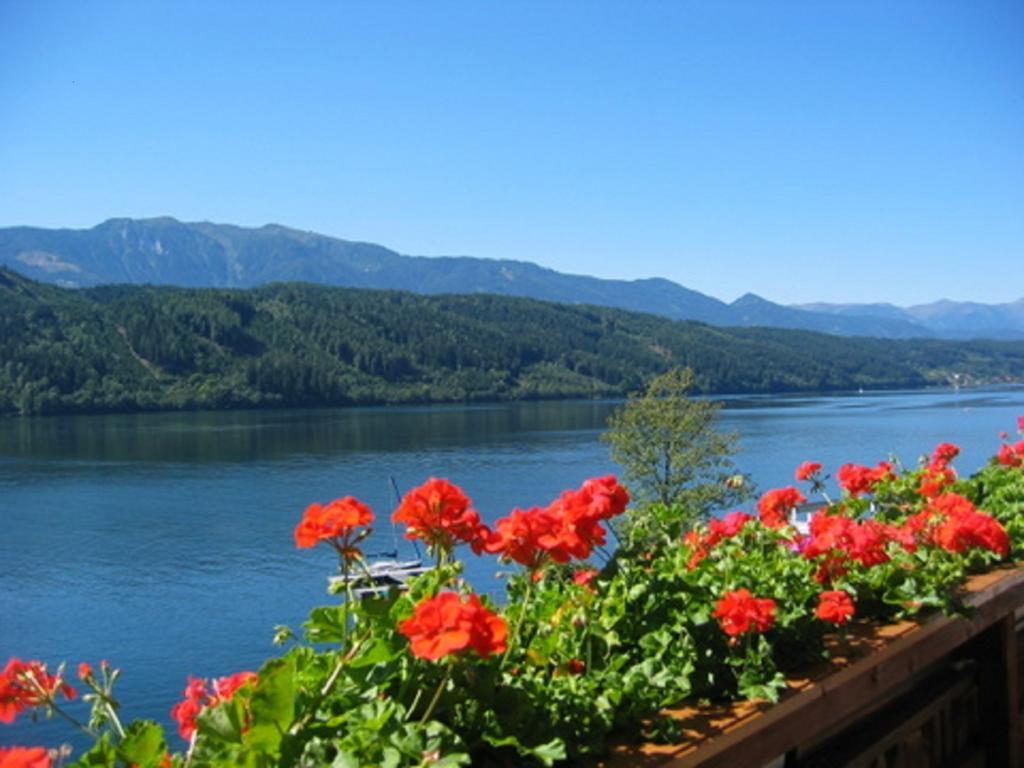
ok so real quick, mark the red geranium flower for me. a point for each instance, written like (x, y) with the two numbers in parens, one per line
(27, 684)
(905, 535)
(857, 480)
(1020, 423)
(718, 530)
(807, 470)
(695, 541)
(24, 757)
(950, 504)
(577, 517)
(572, 533)
(727, 527)
(200, 694)
(444, 624)
(945, 453)
(839, 539)
(517, 537)
(868, 545)
(835, 607)
(584, 576)
(439, 513)
(739, 612)
(335, 522)
(936, 478)
(828, 533)
(601, 498)
(568, 528)
(1011, 455)
(968, 529)
(775, 505)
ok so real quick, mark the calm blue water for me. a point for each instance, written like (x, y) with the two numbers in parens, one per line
(163, 542)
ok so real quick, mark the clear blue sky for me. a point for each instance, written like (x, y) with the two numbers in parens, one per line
(841, 151)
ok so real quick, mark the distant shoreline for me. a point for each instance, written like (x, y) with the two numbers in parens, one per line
(730, 401)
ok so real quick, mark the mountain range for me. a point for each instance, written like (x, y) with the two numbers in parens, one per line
(165, 251)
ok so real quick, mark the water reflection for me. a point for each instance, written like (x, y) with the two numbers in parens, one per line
(247, 435)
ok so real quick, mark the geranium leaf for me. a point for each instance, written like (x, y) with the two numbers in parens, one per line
(272, 705)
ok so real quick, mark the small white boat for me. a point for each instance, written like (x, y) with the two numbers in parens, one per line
(379, 577)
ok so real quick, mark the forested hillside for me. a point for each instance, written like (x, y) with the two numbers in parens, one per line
(123, 348)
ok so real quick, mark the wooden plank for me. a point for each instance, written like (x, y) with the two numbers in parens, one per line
(755, 734)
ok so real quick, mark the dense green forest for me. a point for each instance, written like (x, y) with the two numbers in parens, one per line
(123, 348)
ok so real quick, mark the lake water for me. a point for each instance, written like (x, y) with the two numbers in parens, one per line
(163, 542)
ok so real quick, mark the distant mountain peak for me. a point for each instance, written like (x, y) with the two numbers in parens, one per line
(166, 251)
(751, 299)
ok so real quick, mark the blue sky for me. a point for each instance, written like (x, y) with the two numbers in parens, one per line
(847, 151)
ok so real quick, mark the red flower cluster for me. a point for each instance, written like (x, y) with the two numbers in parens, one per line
(527, 536)
(835, 607)
(944, 453)
(775, 505)
(938, 475)
(739, 612)
(952, 522)
(1011, 455)
(336, 522)
(726, 527)
(27, 684)
(439, 513)
(718, 530)
(446, 624)
(807, 470)
(839, 540)
(200, 694)
(961, 527)
(568, 528)
(24, 757)
(857, 480)
(935, 480)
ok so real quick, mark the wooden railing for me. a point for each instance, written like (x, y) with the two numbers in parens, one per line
(945, 691)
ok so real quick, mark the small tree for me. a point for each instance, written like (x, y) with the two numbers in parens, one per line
(676, 464)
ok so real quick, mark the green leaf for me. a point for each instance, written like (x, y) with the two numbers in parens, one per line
(272, 705)
(380, 652)
(326, 624)
(346, 760)
(548, 753)
(223, 722)
(143, 744)
(102, 755)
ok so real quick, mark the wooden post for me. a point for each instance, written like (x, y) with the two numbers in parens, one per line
(1000, 691)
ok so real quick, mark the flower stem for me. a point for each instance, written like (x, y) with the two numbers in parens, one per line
(327, 686)
(73, 720)
(519, 619)
(114, 719)
(412, 707)
(438, 692)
